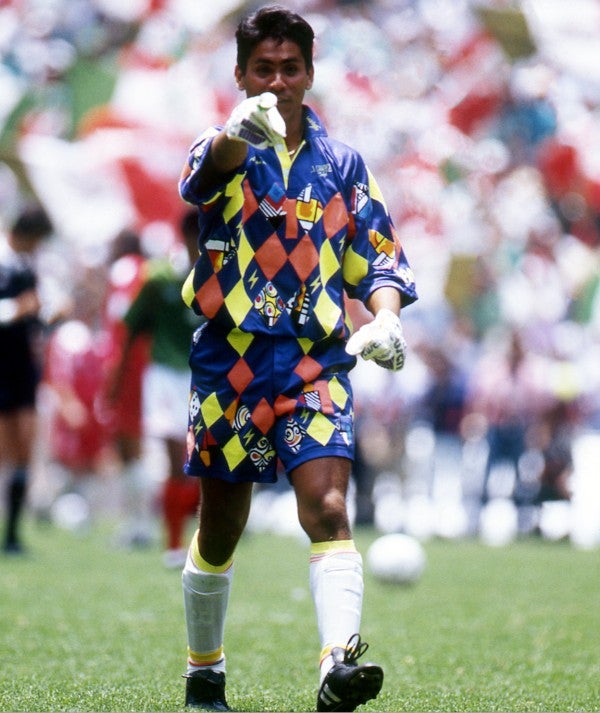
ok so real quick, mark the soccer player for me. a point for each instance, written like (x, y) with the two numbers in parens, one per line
(289, 219)
(123, 411)
(20, 367)
(158, 313)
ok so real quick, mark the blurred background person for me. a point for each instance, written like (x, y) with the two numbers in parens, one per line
(506, 388)
(126, 273)
(158, 312)
(20, 361)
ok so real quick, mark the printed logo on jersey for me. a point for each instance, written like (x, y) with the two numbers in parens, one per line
(322, 169)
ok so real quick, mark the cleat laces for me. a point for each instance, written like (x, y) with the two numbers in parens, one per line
(355, 648)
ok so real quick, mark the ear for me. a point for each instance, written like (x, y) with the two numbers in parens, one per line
(311, 76)
(239, 78)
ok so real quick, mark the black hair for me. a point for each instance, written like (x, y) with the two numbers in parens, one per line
(278, 23)
(126, 242)
(32, 223)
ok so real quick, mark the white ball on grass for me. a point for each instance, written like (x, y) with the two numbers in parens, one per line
(397, 558)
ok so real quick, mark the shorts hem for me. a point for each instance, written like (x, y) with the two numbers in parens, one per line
(320, 452)
(228, 476)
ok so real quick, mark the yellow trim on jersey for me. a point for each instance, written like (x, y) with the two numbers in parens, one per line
(187, 290)
(285, 159)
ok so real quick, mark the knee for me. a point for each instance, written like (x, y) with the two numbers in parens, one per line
(325, 518)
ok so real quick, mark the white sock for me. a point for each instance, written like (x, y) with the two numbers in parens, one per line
(137, 498)
(205, 596)
(336, 583)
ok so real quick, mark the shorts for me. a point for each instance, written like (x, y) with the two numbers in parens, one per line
(165, 394)
(18, 388)
(256, 400)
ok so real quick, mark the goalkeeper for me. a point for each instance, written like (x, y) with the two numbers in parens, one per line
(289, 220)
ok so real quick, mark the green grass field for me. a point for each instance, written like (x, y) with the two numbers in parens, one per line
(84, 627)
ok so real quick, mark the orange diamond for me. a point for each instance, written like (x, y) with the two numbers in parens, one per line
(271, 256)
(262, 416)
(304, 258)
(240, 375)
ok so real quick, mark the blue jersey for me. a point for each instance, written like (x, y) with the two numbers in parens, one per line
(281, 239)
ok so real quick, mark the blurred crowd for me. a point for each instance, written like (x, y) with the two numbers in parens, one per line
(480, 120)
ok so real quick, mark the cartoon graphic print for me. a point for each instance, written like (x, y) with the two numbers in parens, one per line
(308, 209)
(360, 203)
(272, 205)
(194, 405)
(262, 453)
(242, 416)
(294, 434)
(269, 304)
(298, 306)
(196, 427)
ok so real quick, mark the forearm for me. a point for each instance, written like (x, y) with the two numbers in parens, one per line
(384, 297)
(223, 156)
(227, 154)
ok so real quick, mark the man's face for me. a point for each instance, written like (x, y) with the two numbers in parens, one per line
(278, 68)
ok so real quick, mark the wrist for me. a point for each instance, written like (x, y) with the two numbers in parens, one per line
(387, 317)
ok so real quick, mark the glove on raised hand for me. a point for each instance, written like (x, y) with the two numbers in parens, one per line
(256, 121)
(381, 340)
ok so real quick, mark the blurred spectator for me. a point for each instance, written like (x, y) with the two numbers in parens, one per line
(555, 433)
(127, 271)
(442, 407)
(20, 361)
(78, 441)
(158, 312)
(506, 389)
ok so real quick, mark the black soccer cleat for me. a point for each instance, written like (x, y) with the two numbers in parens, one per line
(205, 689)
(349, 684)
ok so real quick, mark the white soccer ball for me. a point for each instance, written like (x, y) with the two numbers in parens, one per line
(397, 558)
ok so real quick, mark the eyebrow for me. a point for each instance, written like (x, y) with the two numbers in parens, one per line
(285, 60)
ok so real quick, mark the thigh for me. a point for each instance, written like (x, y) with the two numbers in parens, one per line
(224, 510)
(17, 434)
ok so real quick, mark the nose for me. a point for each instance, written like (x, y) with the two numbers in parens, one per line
(277, 82)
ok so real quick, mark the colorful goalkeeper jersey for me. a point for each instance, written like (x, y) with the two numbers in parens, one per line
(282, 238)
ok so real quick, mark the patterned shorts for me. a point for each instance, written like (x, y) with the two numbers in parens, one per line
(257, 400)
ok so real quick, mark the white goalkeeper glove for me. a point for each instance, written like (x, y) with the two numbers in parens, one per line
(381, 340)
(257, 122)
